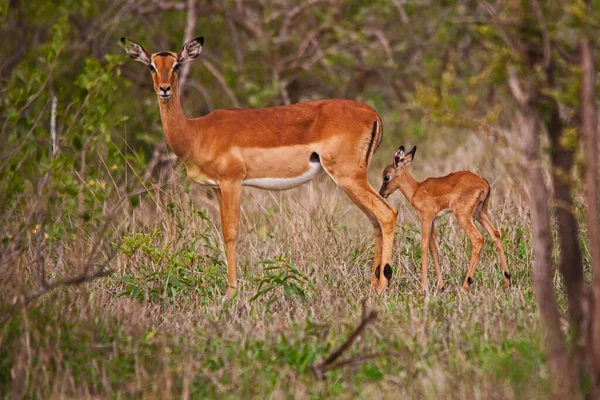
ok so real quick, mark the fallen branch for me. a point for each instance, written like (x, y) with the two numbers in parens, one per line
(23, 301)
(330, 363)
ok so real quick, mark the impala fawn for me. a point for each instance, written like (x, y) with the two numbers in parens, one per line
(463, 193)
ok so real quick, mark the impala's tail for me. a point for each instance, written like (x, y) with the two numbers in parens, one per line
(376, 136)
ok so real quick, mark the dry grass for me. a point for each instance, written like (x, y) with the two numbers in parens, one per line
(157, 328)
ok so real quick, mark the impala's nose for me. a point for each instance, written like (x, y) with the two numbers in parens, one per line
(165, 91)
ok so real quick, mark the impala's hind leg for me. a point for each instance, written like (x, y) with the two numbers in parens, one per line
(381, 215)
(486, 223)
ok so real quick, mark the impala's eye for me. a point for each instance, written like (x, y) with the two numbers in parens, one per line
(152, 68)
(176, 67)
(386, 178)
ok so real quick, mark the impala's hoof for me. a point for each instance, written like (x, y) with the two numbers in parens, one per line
(375, 277)
(374, 282)
(229, 294)
(467, 284)
(383, 284)
(440, 286)
(387, 272)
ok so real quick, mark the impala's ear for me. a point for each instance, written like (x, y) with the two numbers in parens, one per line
(135, 51)
(399, 156)
(191, 49)
(408, 158)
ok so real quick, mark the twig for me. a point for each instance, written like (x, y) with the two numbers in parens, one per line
(53, 126)
(100, 272)
(539, 14)
(399, 4)
(190, 27)
(330, 363)
(219, 76)
(508, 38)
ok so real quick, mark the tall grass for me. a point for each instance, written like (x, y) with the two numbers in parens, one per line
(157, 327)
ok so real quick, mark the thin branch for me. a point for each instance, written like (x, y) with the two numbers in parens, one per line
(190, 27)
(217, 74)
(399, 4)
(330, 363)
(516, 87)
(53, 126)
(100, 272)
(508, 38)
(539, 14)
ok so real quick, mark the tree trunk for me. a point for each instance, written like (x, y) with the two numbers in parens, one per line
(528, 122)
(589, 129)
(571, 261)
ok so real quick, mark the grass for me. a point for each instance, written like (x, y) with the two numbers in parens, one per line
(157, 327)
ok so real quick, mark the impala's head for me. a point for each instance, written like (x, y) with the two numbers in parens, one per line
(395, 172)
(164, 65)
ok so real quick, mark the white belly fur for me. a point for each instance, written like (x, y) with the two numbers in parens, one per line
(284, 183)
(208, 182)
(442, 213)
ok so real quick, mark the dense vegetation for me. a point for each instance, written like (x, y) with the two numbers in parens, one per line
(112, 265)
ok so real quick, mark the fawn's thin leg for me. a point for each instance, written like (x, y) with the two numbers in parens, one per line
(465, 219)
(434, 254)
(484, 220)
(426, 223)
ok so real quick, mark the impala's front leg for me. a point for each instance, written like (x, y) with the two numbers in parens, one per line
(376, 270)
(426, 224)
(229, 202)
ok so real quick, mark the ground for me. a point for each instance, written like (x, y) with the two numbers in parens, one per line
(157, 327)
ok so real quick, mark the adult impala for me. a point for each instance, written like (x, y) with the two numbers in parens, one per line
(272, 148)
(463, 193)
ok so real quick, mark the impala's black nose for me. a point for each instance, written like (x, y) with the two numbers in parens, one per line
(165, 89)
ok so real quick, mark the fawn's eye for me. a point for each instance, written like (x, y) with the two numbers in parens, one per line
(386, 178)
(152, 68)
(176, 67)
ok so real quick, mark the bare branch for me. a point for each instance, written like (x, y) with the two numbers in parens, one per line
(516, 87)
(100, 272)
(330, 363)
(399, 4)
(539, 14)
(159, 6)
(190, 27)
(508, 38)
(53, 126)
(217, 74)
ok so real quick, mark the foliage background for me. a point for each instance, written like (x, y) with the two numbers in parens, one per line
(80, 125)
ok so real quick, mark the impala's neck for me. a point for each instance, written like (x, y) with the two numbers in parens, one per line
(176, 125)
(408, 185)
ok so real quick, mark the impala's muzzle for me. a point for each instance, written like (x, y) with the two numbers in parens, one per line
(382, 192)
(165, 92)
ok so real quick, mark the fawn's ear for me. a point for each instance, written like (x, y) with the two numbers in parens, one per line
(399, 156)
(408, 158)
(136, 51)
(191, 49)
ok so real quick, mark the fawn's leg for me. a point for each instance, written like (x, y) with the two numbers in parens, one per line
(486, 223)
(434, 254)
(426, 224)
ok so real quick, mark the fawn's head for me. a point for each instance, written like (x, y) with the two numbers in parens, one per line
(395, 172)
(164, 65)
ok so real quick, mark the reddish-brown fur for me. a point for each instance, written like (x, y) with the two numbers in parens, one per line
(463, 193)
(271, 148)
